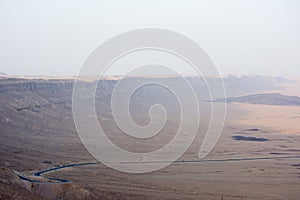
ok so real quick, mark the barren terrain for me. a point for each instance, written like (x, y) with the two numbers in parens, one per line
(257, 156)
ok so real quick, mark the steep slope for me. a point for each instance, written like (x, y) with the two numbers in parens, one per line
(11, 187)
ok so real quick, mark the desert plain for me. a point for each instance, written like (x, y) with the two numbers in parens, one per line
(256, 157)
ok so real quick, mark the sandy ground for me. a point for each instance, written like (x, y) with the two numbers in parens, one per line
(233, 170)
(256, 157)
(283, 119)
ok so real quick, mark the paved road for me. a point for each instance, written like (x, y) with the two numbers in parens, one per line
(39, 173)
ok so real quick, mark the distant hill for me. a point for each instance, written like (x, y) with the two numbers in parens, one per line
(265, 99)
(3, 75)
(238, 85)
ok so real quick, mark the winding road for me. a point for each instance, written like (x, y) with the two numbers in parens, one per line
(56, 180)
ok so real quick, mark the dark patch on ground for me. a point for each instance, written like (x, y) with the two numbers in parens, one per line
(252, 129)
(283, 146)
(251, 139)
(279, 153)
(296, 165)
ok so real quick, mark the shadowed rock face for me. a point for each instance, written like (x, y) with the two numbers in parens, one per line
(251, 139)
(234, 85)
(36, 103)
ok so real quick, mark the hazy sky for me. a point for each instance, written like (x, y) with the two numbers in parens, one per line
(54, 37)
